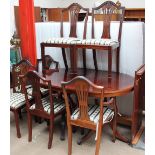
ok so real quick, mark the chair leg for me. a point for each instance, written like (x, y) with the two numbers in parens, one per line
(69, 139)
(114, 122)
(82, 131)
(51, 127)
(20, 114)
(63, 126)
(29, 117)
(99, 137)
(17, 123)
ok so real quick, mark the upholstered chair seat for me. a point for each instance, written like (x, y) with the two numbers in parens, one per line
(93, 112)
(17, 100)
(69, 40)
(58, 105)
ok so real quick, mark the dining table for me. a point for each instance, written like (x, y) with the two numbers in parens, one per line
(117, 85)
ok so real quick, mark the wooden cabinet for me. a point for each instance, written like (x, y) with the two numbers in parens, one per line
(54, 14)
(131, 14)
(135, 14)
(16, 12)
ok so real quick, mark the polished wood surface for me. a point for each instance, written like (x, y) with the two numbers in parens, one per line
(117, 85)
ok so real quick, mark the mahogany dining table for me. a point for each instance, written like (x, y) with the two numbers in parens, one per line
(118, 84)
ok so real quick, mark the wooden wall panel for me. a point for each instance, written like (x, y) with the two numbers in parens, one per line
(54, 14)
(135, 14)
(37, 15)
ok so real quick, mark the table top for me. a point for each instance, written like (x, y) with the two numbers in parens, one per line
(118, 85)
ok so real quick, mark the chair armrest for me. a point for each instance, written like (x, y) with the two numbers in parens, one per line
(38, 61)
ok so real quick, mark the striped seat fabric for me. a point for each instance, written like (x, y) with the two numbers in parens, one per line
(58, 105)
(69, 40)
(93, 112)
(17, 100)
(43, 91)
(101, 42)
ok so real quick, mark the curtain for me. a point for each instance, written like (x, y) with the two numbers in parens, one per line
(27, 30)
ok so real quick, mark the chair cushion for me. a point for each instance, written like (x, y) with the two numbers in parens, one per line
(43, 91)
(93, 112)
(70, 40)
(101, 42)
(58, 105)
(17, 100)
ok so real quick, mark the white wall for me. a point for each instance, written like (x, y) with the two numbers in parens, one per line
(90, 3)
(85, 3)
(64, 3)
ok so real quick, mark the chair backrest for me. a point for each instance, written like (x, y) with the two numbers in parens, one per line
(37, 82)
(74, 10)
(50, 63)
(139, 99)
(83, 88)
(107, 12)
(20, 68)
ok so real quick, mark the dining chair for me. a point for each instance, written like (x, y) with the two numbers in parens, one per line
(74, 10)
(17, 98)
(50, 64)
(88, 115)
(47, 108)
(107, 12)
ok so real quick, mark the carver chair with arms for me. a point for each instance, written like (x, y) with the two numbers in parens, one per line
(50, 64)
(17, 98)
(88, 115)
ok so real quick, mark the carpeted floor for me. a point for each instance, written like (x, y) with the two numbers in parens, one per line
(38, 146)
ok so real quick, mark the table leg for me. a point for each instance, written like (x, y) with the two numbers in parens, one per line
(73, 59)
(121, 137)
(85, 137)
(109, 62)
(63, 126)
